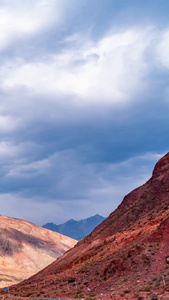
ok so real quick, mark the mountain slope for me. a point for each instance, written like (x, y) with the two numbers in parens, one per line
(126, 253)
(76, 229)
(26, 248)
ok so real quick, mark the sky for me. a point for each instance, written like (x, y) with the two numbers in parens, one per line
(84, 104)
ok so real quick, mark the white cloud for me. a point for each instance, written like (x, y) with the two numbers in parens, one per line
(110, 72)
(21, 19)
(111, 69)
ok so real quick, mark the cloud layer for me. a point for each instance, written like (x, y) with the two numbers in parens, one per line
(83, 104)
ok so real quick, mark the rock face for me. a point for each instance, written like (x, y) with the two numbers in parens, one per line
(26, 248)
(127, 252)
(76, 229)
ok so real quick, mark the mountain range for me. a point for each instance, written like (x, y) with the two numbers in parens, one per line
(125, 257)
(26, 248)
(76, 229)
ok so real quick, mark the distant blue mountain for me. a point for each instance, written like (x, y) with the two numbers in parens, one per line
(76, 229)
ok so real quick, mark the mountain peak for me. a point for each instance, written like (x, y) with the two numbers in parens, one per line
(76, 229)
(162, 166)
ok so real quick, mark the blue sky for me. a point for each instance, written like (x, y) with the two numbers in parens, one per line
(84, 104)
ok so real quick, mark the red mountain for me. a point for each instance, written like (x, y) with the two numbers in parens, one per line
(126, 254)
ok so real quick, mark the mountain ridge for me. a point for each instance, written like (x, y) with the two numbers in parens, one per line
(124, 256)
(76, 229)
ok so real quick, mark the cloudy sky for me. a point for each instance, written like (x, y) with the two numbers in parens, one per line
(84, 104)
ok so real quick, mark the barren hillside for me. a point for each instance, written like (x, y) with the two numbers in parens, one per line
(26, 248)
(126, 254)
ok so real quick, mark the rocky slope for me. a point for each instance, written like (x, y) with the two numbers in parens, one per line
(76, 229)
(26, 248)
(125, 255)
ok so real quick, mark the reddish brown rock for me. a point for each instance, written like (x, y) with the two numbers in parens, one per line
(124, 255)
